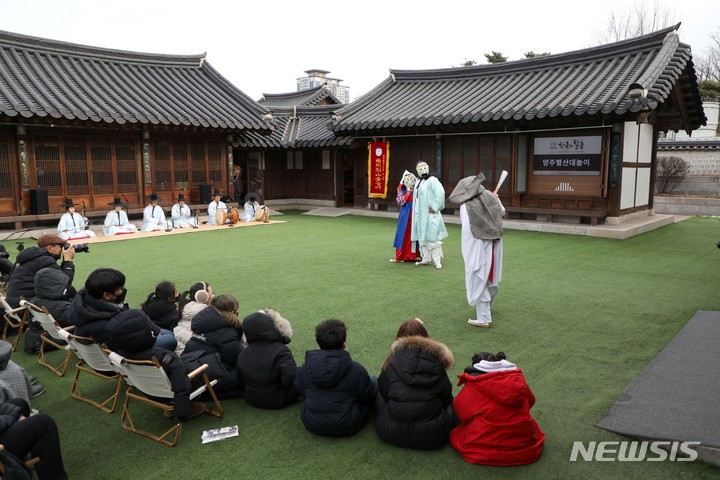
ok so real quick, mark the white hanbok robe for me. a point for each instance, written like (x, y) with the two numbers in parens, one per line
(72, 225)
(117, 222)
(249, 212)
(153, 219)
(181, 216)
(479, 256)
(213, 207)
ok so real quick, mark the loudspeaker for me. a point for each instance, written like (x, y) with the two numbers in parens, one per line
(39, 202)
(205, 193)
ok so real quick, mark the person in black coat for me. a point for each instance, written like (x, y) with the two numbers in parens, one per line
(266, 367)
(161, 306)
(54, 292)
(130, 334)
(414, 407)
(33, 259)
(37, 435)
(102, 298)
(338, 391)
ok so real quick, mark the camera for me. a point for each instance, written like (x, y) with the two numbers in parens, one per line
(20, 246)
(79, 248)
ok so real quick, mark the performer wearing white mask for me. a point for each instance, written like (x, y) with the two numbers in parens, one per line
(153, 216)
(116, 220)
(481, 214)
(73, 225)
(428, 227)
(181, 215)
(215, 206)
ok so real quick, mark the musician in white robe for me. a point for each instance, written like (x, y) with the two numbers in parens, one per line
(251, 206)
(181, 214)
(72, 225)
(153, 216)
(215, 206)
(116, 220)
(481, 214)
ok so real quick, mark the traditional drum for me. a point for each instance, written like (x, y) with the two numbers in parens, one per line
(220, 215)
(233, 215)
(262, 214)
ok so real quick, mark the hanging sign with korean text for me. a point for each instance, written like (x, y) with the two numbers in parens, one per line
(567, 155)
(378, 165)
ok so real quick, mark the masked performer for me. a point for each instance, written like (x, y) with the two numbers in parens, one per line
(215, 206)
(153, 216)
(73, 225)
(405, 249)
(481, 215)
(428, 227)
(181, 214)
(116, 220)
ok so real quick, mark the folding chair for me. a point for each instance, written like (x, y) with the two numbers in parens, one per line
(29, 462)
(92, 360)
(149, 378)
(14, 318)
(49, 337)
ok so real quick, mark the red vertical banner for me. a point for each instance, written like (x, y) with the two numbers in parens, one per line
(378, 166)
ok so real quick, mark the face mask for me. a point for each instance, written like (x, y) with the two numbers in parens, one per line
(409, 181)
(121, 297)
(423, 169)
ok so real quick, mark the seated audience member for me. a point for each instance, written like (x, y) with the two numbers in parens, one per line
(153, 216)
(161, 306)
(191, 302)
(6, 266)
(414, 405)
(14, 380)
(215, 206)
(266, 367)
(338, 391)
(496, 427)
(54, 292)
(131, 334)
(251, 207)
(72, 225)
(102, 299)
(181, 214)
(33, 259)
(116, 220)
(23, 434)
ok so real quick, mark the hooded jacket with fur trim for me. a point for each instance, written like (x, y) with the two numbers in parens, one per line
(496, 426)
(266, 367)
(414, 408)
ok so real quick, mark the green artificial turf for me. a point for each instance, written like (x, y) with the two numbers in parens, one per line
(581, 316)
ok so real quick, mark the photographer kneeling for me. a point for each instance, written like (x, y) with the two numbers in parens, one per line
(33, 259)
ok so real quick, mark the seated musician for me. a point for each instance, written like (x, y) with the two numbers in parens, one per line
(217, 205)
(251, 207)
(116, 220)
(153, 216)
(181, 214)
(73, 225)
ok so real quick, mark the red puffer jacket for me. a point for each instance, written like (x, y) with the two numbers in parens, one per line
(496, 426)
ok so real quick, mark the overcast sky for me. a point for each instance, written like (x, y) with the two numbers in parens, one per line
(264, 46)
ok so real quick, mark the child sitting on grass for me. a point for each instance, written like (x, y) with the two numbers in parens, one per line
(191, 302)
(266, 367)
(494, 410)
(161, 306)
(338, 391)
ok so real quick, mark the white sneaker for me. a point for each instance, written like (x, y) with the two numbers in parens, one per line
(423, 262)
(438, 266)
(479, 323)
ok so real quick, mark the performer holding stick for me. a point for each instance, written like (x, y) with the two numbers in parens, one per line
(73, 225)
(481, 214)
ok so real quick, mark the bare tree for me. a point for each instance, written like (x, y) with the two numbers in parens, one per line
(707, 64)
(644, 16)
(670, 172)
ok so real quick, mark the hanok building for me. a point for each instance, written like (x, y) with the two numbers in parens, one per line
(577, 131)
(302, 162)
(93, 124)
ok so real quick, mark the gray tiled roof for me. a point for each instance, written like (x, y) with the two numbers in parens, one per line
(299, 127)
(47, 81)
(584, 85)
(708, 143)
(303, 98)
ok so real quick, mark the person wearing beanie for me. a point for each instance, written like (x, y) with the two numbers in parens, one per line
(50, 248)
(131, 334)
(496, 427)
(266, 367)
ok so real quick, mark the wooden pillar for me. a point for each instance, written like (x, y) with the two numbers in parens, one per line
(23, 168)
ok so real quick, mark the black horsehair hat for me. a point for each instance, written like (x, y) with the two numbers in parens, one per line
(116, 202)
(216, 193)
(68, 203)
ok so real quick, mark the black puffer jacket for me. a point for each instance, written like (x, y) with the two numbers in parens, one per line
(212, 333)
(338, 393)
(414, 407)
(130, 334)
(267, 367)
(90, 315)
(54, 292)
(29, 262)
(162, 312)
